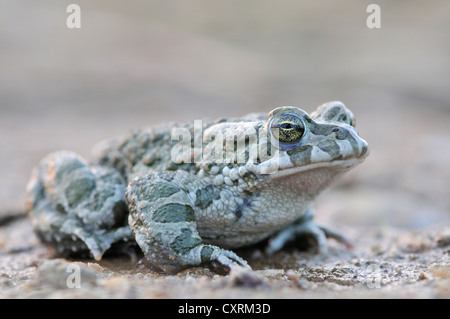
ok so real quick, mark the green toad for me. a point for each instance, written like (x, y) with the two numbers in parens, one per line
(187, 194)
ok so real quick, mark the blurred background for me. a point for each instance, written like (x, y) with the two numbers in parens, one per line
(138, 63)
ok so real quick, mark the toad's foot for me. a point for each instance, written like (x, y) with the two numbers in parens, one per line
(306, 227)
(227, 259)
(220, 258)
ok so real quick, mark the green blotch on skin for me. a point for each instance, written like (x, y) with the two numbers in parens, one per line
(342, 135)
(98, 199)
(301, 155)
(330, 147)
(172, 166)
(333, 112)
(185, 242)
(205, 197)
(174, 213)
(322, 129)
(79, 189)
(162, 190)
(206, 253)
(345, 135)
(69, 164)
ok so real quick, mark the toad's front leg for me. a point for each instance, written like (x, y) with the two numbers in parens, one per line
(162, 219)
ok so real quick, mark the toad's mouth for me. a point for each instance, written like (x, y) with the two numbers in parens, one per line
(282, 164)
(342, 164)
(350, 157)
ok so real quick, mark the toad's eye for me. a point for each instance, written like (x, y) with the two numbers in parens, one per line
(287, 128)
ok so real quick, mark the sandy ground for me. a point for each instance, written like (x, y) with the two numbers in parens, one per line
(389, 263)
(145, 62)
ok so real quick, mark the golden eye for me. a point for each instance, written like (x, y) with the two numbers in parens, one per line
(287, 128)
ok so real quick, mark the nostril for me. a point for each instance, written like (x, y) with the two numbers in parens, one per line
(335, 130)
